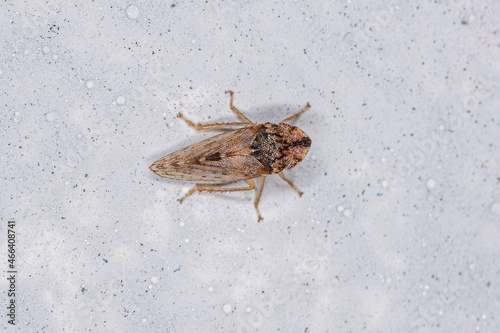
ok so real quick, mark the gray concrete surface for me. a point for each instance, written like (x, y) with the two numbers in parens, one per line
(398, 228)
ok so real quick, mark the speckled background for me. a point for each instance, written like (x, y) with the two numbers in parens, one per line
(397, 231)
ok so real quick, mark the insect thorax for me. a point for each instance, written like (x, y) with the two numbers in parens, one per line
(272, 147)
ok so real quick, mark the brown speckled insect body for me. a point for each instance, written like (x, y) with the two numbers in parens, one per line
(257, 150)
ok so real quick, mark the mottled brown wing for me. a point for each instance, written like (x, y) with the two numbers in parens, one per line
(223, 158)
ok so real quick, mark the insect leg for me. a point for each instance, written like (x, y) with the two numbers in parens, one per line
(200, 127)
(238, 112)
(256, 203)
(282, 175)
(297, 114)
(214, 188)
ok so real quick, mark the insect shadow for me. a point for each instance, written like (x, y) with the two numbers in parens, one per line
(255, 150)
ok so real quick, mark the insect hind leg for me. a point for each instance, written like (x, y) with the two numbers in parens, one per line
(201, 127)
(296, 115)
(214, 188)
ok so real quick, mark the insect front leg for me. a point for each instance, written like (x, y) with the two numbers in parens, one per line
(297, 114)
(282, 175)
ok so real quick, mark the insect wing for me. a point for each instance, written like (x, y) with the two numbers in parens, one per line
(223, 158)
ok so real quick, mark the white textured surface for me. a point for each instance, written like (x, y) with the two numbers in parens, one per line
(398, 228)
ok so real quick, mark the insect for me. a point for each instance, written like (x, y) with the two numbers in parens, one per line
(256, 150)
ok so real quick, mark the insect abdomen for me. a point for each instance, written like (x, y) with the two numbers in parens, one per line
(223, 158)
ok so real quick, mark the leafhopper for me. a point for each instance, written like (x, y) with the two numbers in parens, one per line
(256, 150)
